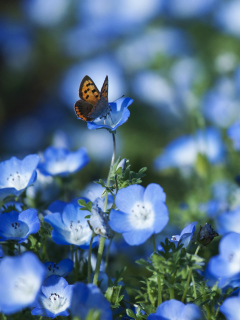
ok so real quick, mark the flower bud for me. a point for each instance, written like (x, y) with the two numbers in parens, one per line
(206, 234)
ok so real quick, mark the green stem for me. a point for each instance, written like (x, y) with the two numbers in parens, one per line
(89, 258)
(189, 277)
(194, 287)
(102, 240)
(171, 292)
(19, 249)
(158, 276)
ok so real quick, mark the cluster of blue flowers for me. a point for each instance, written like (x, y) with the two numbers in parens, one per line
(138, 213)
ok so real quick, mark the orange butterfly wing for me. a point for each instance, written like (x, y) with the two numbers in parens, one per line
(88, 91)
(104, 90)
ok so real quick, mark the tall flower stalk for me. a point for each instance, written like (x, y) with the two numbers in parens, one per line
(102, 240)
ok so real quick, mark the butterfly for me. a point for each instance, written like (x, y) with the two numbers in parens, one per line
(93, 104)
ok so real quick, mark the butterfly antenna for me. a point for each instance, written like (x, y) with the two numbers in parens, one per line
(119, 98)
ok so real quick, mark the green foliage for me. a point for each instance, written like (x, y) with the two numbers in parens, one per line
(85, 206)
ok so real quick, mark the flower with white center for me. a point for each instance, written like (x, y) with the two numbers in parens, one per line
(16, 175)
(20, 280)
(18, 226)
(141, 212)
(89, 297)
(55, 298)
(62, 269)
(61, 162)
(118, 115)
(227, 262)
(70, 226)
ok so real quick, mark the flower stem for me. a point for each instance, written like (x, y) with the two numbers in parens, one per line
(89, 258)
(76, 264)
(158, 276)
(189, 277)
(102, 240)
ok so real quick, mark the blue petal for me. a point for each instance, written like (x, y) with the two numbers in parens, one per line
(119, 221)
(154, 192)
(30, 217)
(189, 228)
(57, 206)
(127, 197)
(137, 237)
(55, 220)
(230, 307)
(160, 215)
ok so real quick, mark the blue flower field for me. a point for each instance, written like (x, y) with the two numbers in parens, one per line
(119, 160)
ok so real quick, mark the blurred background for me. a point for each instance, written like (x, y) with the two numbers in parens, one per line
(179, 60)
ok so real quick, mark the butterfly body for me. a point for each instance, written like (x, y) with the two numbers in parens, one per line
(93, 104)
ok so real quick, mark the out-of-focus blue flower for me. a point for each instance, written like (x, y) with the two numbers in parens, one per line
(117, 17)
(183, 151)
(227, 262)
(61, 162)
(94, 191)
(55, 298)
(184, 9)
(18, 226)
(89, 297)
(97, 69)
(136, 52)
(185, 236)
(45, 189)
(228, 221)
(230, 306)
(62, 269)
(142, 212)
(234, 134)
(20, 281)
(118, 115)
(227, 17)
(70, 226)
(16, 175)
(213, 207)
(174, 309)
(12, 206)
(220, 104)
(46, 13)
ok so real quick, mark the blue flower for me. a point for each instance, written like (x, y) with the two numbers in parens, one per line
(20, 281)
(230, 308)
(118, 115)
(233, 133)
(142, 212)
(89, 297)
(227, 262)
(18, 226)
(183, 151)
(62, 269)
(16, 175)
(55, 298)
(226, 17)
(61, 162)
(185, 236)
(228, 221)
(70, 226)
(174, 309)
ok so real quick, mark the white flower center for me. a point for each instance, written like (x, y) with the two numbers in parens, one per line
(234, 261)
(142, 215)
(55, 303)
(17, 180)
(18, 229)
(79, 233)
